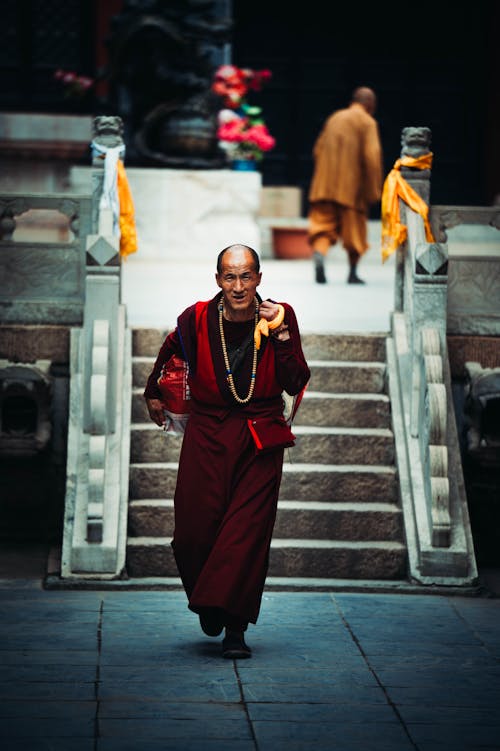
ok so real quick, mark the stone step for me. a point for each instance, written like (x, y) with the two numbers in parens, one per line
(303, 482)
(149, 443)
(312, 445)
(347, 377)
(344, 410)
(146, 342)
(347, 346)
(338, 559)
(337, 376)
(152, 556)
(331, 482)
(334, 521)
(339, 521)
(317, 408)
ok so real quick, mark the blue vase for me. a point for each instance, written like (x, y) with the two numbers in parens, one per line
(244, 165)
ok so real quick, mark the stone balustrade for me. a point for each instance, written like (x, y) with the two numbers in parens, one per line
(428, 454)
(99, 417)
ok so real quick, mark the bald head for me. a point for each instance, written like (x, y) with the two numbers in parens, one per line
(366, 97)
(238, 250)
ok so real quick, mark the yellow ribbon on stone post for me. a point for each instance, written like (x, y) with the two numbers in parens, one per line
(394, 233)
(128, 232)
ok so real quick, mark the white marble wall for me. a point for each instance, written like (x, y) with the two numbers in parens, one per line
(189, 214)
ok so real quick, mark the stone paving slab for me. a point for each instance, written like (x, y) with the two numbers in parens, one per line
(179, 686)
(332, 735)
(29, 673)
(42, 744)
(132, 671)
(175, 710)
(34, 691)
(175, 744)
(12, 709)
(43, 727)
(223, 728)
(67, 658)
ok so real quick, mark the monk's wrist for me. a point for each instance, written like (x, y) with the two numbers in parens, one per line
(281, 334)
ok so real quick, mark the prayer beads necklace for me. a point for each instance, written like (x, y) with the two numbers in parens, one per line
(229, 375)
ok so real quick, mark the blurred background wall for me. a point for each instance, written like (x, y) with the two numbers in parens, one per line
(432, 64)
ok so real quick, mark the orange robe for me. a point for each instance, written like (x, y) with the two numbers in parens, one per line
(348, 160)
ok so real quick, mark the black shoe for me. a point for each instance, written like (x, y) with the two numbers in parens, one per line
(320, 275)
(234, 646)
(211, 621)
(353, 278)
(319, 268)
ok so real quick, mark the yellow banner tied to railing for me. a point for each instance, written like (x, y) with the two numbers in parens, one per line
(395, 187)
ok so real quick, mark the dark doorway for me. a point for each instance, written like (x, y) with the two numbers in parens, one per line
(435, 68)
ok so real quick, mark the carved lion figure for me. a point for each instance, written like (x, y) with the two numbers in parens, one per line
(107, 130)
(415, 141)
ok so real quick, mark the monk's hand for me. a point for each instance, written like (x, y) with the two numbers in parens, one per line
(155, 410)
(268, 310)
(271, 322)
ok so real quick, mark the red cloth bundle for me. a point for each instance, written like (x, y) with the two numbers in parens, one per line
(173, 384)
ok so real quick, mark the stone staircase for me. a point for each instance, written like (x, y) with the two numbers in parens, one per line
(339, 516)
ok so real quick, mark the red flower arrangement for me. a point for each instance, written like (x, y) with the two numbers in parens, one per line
(232, 83)
(242, 132)
(75, 85)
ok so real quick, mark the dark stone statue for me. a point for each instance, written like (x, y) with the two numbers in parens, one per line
(162, 61)
(482, 412)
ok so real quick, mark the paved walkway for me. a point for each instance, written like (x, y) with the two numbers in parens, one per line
(155, 292)
(132, 671)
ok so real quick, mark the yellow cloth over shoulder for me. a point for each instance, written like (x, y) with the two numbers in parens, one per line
(395, 187)
(128, 233)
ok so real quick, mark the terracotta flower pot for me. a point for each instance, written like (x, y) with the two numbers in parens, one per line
(291, 242)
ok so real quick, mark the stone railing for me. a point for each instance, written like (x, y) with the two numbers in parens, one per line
(96, 501)
(473, 272)
(446, 217)
(427, 447)
(43, 282)
(431, 425)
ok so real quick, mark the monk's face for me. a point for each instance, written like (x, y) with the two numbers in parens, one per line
(238, 281)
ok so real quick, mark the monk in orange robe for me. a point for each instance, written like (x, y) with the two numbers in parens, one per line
(347, 178)
(232, 454)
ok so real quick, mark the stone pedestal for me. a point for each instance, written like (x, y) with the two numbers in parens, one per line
(189, 214)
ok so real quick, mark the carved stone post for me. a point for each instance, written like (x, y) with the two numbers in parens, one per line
(414, 142)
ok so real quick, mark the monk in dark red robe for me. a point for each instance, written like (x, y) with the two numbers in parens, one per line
(232, 454)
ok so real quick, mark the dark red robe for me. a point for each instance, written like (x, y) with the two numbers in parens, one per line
(226, 494)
